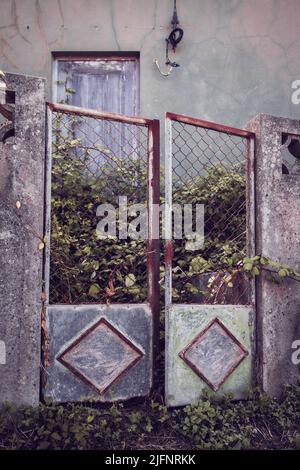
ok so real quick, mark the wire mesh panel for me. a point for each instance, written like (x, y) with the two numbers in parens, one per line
(207, 167)
(100, 168)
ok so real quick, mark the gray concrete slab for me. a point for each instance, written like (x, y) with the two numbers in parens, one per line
(21, 227)
(278, 238)
(109, 351)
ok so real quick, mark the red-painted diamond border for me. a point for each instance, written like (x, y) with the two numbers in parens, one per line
(182, 354)
(84, 378)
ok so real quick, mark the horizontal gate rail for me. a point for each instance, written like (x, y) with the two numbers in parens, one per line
(69, 109)
(209, 125)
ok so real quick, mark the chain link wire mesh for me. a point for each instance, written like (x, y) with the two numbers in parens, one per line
(209, 168)
(94, 161)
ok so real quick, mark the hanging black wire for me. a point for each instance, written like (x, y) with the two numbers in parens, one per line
(174, 37)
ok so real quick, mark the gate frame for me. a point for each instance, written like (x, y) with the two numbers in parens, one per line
(250, 214)
(153, 199)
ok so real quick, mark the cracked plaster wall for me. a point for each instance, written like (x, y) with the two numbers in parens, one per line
(238, 57)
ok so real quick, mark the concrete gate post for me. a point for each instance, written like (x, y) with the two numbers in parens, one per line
(22, 150)
(277, 188)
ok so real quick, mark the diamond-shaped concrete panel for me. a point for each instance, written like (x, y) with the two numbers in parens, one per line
(69, 323)
(214, 354)
(100, 356)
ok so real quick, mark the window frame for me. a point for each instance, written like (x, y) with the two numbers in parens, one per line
(58, 56)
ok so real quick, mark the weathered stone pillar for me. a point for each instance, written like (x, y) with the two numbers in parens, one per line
(277, 185)
(21, 225)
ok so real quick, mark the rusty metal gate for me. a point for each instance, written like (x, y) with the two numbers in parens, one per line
(101, 316)
(100, 325)
(210, 302)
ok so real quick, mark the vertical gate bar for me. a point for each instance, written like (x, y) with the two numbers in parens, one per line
(168, 213)
(47, 229)
(250, 208)
(153, 244)
(168, 240)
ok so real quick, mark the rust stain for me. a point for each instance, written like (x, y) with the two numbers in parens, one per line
(209, 125)
(68, 109)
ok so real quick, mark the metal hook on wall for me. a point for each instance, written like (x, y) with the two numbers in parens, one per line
(173, 40)
(164, 74)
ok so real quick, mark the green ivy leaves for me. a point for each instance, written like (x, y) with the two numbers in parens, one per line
(257, 264)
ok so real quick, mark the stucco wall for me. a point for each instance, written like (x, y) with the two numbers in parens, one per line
(238, 57)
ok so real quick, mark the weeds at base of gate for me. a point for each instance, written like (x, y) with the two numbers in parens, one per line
(258, 423)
